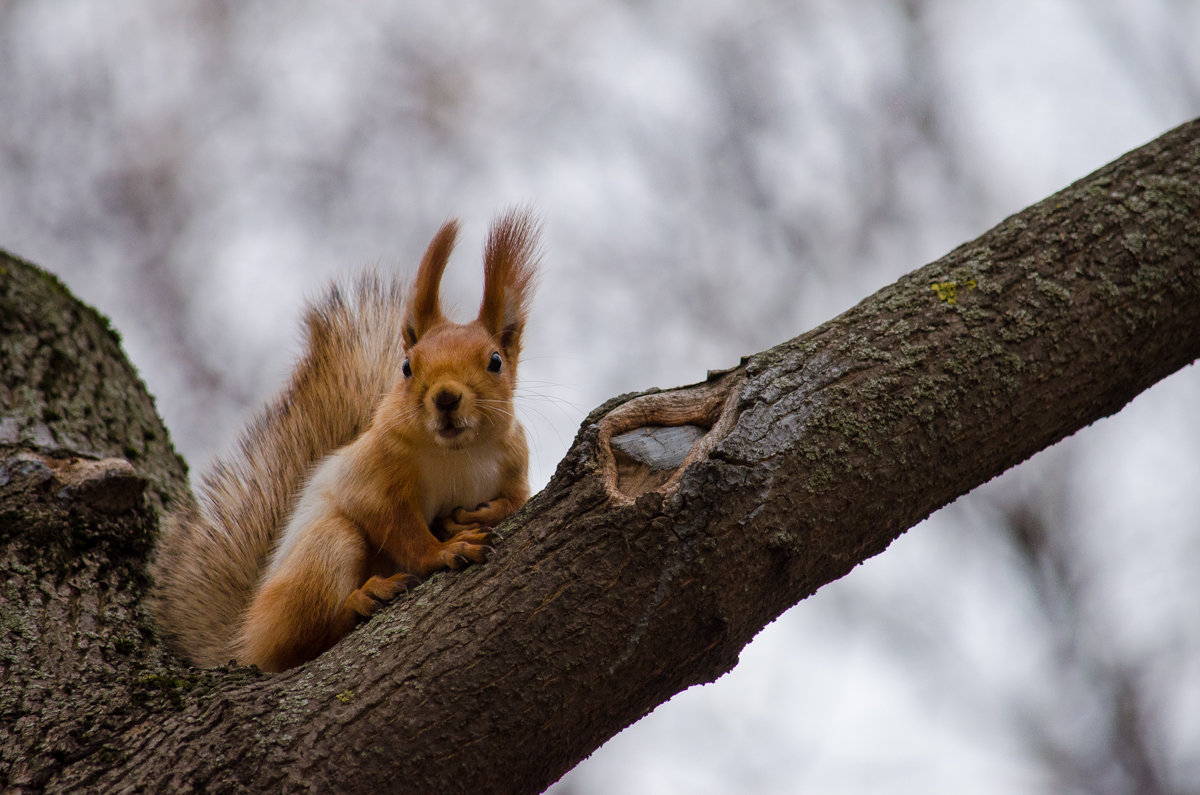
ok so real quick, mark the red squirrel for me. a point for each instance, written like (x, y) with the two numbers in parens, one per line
(396, 423)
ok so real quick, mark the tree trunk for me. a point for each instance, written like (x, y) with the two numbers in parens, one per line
(641, 569)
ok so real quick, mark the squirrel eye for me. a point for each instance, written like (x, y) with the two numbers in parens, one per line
(495, 363)
(406, 369)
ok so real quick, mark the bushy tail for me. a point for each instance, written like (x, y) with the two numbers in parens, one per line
(209, 559)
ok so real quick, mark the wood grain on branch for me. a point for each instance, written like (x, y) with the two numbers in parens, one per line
(640, 571)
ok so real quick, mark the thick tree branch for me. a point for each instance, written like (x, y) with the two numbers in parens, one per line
(634, 575)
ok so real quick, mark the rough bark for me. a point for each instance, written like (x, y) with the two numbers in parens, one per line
(633, 575)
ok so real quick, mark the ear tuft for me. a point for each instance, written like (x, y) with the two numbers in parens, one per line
(423, 309)
(509, 268)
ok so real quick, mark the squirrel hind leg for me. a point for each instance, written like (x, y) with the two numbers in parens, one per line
(300, 609)
(378, 591)
(280, 633)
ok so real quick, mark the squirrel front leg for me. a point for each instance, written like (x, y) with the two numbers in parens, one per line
(513, 494)
(414, 548)
(487, 514)
(471, 545)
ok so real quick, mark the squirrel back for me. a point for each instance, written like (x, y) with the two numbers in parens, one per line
(211, 559)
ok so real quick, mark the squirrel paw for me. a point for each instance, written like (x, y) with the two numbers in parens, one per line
(467, 546)
(378, 591)
(485, 514)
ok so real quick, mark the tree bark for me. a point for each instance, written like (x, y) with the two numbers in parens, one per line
(645, 565)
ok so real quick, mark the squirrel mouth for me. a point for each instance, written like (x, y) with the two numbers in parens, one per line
(448, 431)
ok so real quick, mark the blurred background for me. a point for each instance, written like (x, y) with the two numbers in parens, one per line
(715, 177)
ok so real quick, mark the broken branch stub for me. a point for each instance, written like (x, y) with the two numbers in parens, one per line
(647, 443)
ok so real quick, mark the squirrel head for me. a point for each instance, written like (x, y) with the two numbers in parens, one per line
(458, 378)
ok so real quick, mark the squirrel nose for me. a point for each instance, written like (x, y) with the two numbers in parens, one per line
(447, 400)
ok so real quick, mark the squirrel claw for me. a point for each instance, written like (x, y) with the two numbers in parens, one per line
(378, 591)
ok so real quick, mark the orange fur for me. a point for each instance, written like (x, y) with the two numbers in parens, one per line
(441, 451)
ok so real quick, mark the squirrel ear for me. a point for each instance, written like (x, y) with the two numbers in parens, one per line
(423, 309)
(509, 263)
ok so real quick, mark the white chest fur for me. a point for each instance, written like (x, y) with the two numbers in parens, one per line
(457, 479)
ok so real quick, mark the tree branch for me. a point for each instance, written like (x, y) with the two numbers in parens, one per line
(633, 576)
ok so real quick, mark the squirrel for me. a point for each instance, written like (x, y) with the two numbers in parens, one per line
(396, 424)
